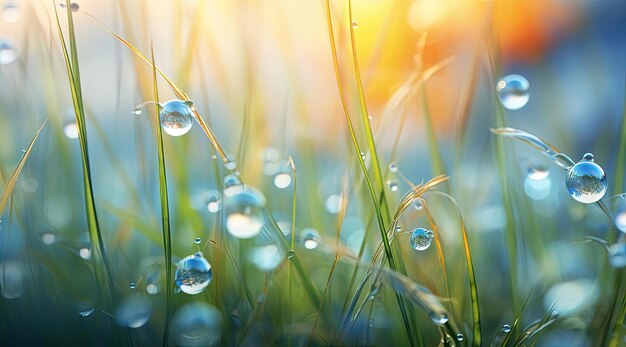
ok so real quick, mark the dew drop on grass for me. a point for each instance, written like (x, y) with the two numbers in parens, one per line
(617, 255)
(235, 318)
(513, 91)
(310, 238)
(74, 6)
(421, 239)
(85, 309)
(417, 205)
(133, 285)
(459, 337)
(506, 328)
(372, 322)
(538, 173)
(133, 312)
(232, 185)
(7, 52)
(355, 24)
(176, 117)
(193, 274)
(197, 324)
(70, 129)
(10, 12)
(244, 212)
(266, 258)
(48, 239)
(586, 181)
(231, 163)
(438, 319)
(282, 180)
(85, 253)
(153, 288)
(398, 228)
(11, 279)
(393, 167)
(197, 241)
(291, 253)
(363, 155)
(393, 185)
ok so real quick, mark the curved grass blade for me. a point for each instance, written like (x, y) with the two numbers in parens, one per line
(10, 185)
(536, 328)
(165, 210)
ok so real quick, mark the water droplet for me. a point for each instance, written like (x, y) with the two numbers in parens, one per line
(620, 220)
(213, 156)
(197, 324)
(73, 6)
(355, 24)
(10, 12)
(421, 239)
(11, 279)
(398, 228)
(438, 319)
(333, 203)
(7, 53)
(291, 253)
(538, 173)
(176, 117)
(393, 167)
(586, 181)
(282, 180)
(537, 189)
(193, 274)
(153, 288)
(372, 322)
(310, 238)
(232, 185)
(48, 239)
(266, 258)
(617, 255)
(459, 337)
(70, 129)
(244, 212)
(231, 163)
(197, 241)
(417, 205)
(235, 318)
(85, 309)
(133, 285)
(133, 312)
(513, 91)
(506, 328)
(393, 185)
(85, 253)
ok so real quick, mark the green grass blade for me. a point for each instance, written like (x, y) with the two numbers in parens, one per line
(10, 185)
(165, 209)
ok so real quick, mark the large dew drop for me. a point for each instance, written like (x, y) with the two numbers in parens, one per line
(244, 212)
(513, 91)
(586, 181)
(197, 324)
(133, 312)
(193, 274)
(176, 117)
(421, 239)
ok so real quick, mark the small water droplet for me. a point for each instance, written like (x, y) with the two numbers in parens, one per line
(392, 185)
(232, 185)
(506, 328)
(153, 288)
(10, 12)
(74, 6)
(438, 319)
(133, 312)
(459, 337)
(133, 285)
(282, 180)
(197, 324)
(620, 220)
(7, 52)
(85, 253)
(176, 117)
(513, 91)
(213, 156)
(421, 239)
(291, 253)
(85, 309)
(393, 167)
(355, 24)
(417, 205)
(244, 212)
(70, 129)
(398, 228)
(310, 238)
(538, 173)
(197, 241)
(193, 274)
(586, 181)
(48, 239)
(11, 279)
(213, 201)
(231, 163)
(235, 318)
(267, 257)
(372, 322)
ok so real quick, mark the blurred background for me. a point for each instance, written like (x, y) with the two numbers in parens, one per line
(262, 74)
